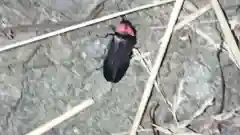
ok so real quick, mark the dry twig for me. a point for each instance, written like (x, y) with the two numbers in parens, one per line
(200, 111)
(44, 128)
(168, 132)
(232, 22)
(178, 26)
(177, 99)
(148, 68)
(191, 17)
(231, 46)
(180, 129)
(189, 6)
(226, 115)
(125, 133)
(162, 129)
(83, 24)
(159, 58)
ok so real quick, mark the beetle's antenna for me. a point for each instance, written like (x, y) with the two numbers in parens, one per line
(123, 17)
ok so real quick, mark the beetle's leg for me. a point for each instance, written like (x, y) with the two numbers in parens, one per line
(105, 51)
(108, 34)
(123, 17)
(99, 68)
(112, 27)
(131, 54)
(136, 47)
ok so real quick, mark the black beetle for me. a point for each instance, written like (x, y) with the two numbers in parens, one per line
(119, 52)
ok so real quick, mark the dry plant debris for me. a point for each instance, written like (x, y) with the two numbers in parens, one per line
(180, 128)
(159, 58)
(177, 99)
(68, 114)
(81, 25)
(231, 46)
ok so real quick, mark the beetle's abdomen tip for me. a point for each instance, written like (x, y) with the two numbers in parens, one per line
(111, 79)
(109, 76)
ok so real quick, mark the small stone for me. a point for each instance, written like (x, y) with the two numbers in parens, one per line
(84, 55)
(76, 130)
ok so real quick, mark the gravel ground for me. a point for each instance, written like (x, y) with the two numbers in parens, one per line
(44, 79)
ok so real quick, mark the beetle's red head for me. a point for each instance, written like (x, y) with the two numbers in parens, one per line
(126, 27)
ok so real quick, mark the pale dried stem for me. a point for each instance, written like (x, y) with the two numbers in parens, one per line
(50, 124)
(148, 67)
(162, 49)
(139, 131)
(191, 17)
(83, 24)
(200, 111)
(162, 129)
(231, 45)
(206, 37)
(232, 23)
(180, 25)
(180, 129)
(177, 99)
(226, 115)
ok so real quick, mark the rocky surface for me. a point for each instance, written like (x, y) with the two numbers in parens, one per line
(44, 79)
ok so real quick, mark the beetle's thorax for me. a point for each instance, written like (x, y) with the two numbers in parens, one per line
(125, 28)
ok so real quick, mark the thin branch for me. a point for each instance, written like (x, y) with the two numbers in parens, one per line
(223, 85)
(206, 37)
(231, 46)
(125, 133)
(177, 99)
(159, 58)
(33, 27)
(162, 129)
(83, 24)
(200, 111)
(226, 115)
(193, 16)
(153, 117)
(50, 124)
(232, 22)
(148, 67)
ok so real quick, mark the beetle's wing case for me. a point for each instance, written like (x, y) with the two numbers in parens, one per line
(118, 58)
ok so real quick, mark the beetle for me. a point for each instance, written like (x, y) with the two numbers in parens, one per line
(119, 51)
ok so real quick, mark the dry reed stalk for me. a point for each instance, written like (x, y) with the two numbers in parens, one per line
(231, 44)
(50, 124)
(191, 7)
(200, 22)
(148, 68)
(125, 133)
(168, 132)
(206, 37)
(159, 58)
(193, 16)
(162, 129)
(232, 22)
(200, 111)
(226, 115)
(178, 26)
(177, 99)
(189, 133)
(180, 129)
(83, 24)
